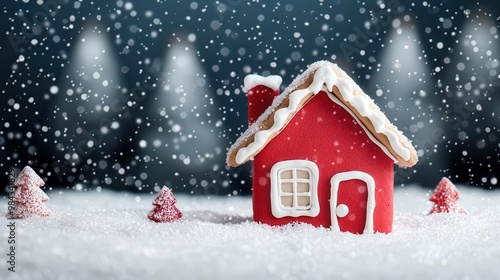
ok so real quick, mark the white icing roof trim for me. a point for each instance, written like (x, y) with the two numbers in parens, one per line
(323, 76)
(273, 82)
(370, 135)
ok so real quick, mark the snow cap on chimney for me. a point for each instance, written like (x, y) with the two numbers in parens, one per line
(261, 92)
(273, 82)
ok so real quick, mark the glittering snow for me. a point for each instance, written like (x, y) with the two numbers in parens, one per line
(107, 235)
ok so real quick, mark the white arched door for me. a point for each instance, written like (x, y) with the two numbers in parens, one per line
(339, 211)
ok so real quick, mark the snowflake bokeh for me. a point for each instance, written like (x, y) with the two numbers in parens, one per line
(133, 95)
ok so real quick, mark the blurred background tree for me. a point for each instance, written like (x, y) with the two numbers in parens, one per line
(134, 95)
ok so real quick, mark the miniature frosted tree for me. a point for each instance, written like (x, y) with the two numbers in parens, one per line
(165, 210)
(445, 198)
(29, 199)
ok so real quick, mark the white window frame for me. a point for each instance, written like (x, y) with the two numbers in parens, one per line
(280, 211)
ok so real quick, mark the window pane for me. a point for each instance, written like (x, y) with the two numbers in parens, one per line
(294, 189)
(287, 174)
(287, 201)
(302, 187)
(287, 187)
(303, 201)
(303, 174)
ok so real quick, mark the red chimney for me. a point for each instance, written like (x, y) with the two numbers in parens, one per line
(261, 92)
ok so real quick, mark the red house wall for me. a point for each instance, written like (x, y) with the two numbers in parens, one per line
(325, 133)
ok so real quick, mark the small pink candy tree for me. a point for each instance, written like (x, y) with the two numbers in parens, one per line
(29, 199)
(164, 210)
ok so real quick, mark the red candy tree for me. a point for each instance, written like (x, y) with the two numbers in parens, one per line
(165, 210)
(445, 198)
(29, 199)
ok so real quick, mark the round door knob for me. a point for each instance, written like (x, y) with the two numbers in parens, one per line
(342, 210)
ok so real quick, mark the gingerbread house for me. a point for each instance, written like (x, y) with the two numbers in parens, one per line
(323, 152)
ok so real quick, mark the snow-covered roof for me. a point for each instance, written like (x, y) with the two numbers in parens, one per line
(301, 90)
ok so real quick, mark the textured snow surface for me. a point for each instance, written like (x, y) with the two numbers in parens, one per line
(107, 235)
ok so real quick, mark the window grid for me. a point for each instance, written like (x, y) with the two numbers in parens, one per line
(295, 194)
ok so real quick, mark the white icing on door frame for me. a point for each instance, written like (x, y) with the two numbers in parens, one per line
(370, 204)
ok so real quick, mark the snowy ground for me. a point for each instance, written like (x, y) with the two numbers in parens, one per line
(107, 236)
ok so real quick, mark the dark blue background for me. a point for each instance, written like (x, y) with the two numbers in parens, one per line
(444, 96)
